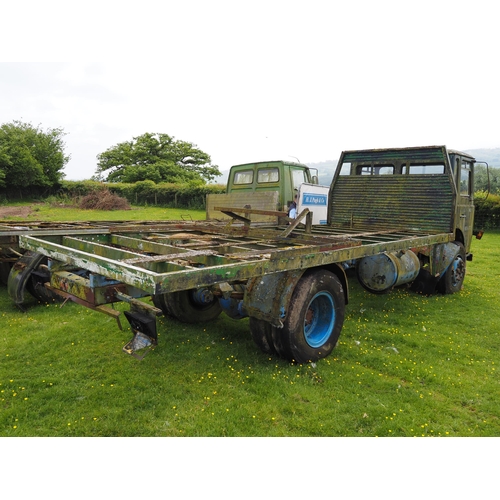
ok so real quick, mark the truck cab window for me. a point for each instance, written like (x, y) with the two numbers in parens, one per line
(364, 170)
(383, 169)
(374, 169)
(298, 177)
(465, 175)
(345, 169)
(265, 175)
(243, 177)
(428, 169)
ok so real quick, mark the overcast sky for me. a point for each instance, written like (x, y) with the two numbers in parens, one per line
(250, 81)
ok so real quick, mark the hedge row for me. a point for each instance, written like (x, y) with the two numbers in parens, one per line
(146, 193)
(193, 196)
(487, 213)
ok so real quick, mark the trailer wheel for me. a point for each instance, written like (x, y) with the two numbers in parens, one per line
(160, 301)
(4, 272)
(36, 285)
(30, 273)
(453, 278)
(262, 335)
(314, 322)
(189, 306)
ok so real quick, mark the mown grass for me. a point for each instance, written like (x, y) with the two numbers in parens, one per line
(59, 212)
(405, 365)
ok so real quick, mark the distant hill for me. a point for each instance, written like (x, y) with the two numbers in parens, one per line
(490, 156)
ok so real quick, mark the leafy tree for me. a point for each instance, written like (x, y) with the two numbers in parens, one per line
(481, 176)
(31, 157)
(155, 157)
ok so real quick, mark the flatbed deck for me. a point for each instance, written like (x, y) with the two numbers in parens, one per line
(178, 255)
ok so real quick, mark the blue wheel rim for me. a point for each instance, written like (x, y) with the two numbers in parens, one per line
(319, 320)
(457, 271)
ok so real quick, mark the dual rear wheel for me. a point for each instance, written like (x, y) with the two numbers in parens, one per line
(313, 324)
(310, 331)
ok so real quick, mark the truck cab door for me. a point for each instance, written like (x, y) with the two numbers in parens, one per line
(298, 176)
(463, 168)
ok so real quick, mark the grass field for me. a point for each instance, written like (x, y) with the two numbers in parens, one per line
(58, 212)
(405, 365)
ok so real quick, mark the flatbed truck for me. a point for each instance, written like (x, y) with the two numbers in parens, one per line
(399, 217)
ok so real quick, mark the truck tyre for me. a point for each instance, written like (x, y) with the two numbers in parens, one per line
(184, 307)
(315, 318)
(453, 278)
(36, 285)
(262, 335)
(161, 302)
(4, 272)
(29, 273)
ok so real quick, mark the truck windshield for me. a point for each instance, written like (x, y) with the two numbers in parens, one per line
(298, 177)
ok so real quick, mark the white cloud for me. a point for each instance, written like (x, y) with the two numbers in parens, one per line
(250, 81)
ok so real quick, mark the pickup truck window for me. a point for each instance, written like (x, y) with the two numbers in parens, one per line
(426, 169)
(243, 177)
(268, 175)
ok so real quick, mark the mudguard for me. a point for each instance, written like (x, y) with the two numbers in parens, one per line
(267, 297)
(441, 257)
(20, 274)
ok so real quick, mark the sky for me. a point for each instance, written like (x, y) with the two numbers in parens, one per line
(253, 81)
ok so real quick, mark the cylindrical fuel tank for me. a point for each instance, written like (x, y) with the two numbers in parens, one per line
(379, 273)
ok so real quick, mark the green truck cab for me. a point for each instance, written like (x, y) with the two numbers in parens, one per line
(267, 185)
(429, 188)
(281, 176)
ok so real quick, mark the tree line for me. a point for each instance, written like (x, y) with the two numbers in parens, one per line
(33, 159)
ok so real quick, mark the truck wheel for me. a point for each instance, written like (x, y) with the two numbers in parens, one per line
(262, 335)
(453, 278)
(189, 306)
(314, 322)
